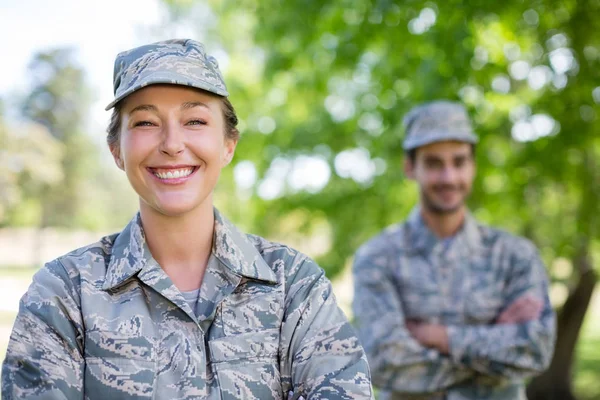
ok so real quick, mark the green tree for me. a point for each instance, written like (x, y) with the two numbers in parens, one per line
(29, 164)
(59, 101)
(329, 82)
(51, 172)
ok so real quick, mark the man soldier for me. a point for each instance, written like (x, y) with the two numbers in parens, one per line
(448, 308)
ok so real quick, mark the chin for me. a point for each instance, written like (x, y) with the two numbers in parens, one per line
(174, 207)
(174, 211)
(444, 208)
(450, 209)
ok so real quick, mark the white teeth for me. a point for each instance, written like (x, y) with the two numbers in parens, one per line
(179, 173)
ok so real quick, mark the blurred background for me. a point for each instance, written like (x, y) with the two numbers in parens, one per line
(320, 88)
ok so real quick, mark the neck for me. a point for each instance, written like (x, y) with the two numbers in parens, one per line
(181, 245)
(444, 225)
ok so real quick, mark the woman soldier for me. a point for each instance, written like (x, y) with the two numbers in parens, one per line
(180, 304)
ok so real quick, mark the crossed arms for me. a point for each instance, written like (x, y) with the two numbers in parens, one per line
(526, 308)
(416, 357)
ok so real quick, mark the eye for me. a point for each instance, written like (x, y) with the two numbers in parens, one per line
(196, 122)
(143, 123)
(460, 162)
(433, 163)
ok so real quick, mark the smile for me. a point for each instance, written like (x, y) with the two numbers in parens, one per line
(172, 173)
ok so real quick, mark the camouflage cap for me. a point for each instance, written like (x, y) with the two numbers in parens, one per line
(178, 61)
(437, 121)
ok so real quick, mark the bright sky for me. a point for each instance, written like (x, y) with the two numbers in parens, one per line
(98, 30)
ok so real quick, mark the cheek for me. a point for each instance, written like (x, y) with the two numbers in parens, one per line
(134, 148)
(429, 178)
(467, 176)
(126, 146)
(210, 148)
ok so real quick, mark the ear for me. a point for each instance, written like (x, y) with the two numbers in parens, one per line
(409, 168)
(228, 153)
(115, 150)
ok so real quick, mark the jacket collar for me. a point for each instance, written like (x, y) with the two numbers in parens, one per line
(236, 251)
(130, 253)
(419, 238)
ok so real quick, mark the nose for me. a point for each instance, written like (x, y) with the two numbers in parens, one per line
(448, 174)
(173, 141)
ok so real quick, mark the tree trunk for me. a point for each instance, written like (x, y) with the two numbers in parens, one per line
(555, 383)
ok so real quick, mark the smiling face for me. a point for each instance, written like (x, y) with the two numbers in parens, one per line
(172, 146)
(444, 172)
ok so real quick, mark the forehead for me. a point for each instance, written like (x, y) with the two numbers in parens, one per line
(163, 94)
(446, 149)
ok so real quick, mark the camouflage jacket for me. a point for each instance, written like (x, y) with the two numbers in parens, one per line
(106, 322)
(407, 273)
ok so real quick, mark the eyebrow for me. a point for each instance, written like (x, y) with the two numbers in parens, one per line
(191, 104)
(144, 107)
(185, 106)
(455, 157)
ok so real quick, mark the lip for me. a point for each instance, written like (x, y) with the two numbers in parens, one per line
(447, 192)
(173, 181)
(175, 166)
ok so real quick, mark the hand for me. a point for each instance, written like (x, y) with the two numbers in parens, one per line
(429, 335)
(525, 308)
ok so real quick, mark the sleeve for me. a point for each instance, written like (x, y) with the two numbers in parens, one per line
(398, 362)
(319, 348)
(511, 350)
(44, 357)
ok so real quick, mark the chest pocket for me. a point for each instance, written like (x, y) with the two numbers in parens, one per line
(118, 366)
(246, 365)
(418, 288)
(485, 297)
(253, 307)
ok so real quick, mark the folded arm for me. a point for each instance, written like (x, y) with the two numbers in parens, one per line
(398, 361)
(514, 347)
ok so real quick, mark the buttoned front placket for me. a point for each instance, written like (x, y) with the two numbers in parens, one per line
(180, 338)
(443, 266)
(218, 283)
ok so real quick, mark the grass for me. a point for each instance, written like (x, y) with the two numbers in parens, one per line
(587, 369)
(587, 363)
(17, 272)
(7, 318)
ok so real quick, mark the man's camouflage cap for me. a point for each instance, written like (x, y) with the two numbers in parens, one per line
(178, 61)
(437, 121)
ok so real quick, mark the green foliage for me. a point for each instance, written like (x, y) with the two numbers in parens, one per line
(29, 164)
(319, 78)
(51, 172)
(58, 102)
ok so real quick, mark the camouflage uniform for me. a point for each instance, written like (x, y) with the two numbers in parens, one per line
(463, 282)
(106, 322)
(407, 273)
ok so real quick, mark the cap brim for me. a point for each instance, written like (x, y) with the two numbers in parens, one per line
(171, 79)
(441, 137)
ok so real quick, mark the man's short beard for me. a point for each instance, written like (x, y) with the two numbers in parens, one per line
(430, 206)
